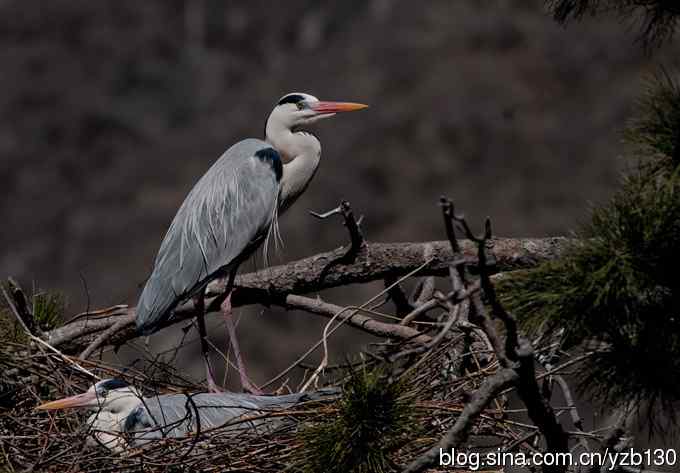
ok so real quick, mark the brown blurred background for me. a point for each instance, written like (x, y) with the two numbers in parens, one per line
(111, 110)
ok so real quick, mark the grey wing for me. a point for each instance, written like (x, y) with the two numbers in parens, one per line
(174, 415)
(222, 220)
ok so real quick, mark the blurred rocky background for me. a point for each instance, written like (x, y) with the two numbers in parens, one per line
(111, 110)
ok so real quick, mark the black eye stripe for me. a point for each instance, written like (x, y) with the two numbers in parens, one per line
(113, 384)
(291, 98)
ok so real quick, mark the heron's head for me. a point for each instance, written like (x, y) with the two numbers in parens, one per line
(299, 110)
(112, 395)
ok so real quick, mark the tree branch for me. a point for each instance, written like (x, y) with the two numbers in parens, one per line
(272, 285)
(538, 407)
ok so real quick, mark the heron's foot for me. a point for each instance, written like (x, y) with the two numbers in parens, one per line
(213, 387)
(249, 387)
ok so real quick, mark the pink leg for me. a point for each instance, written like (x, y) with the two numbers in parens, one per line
(231, 329)
(205, 349)
(210, 377)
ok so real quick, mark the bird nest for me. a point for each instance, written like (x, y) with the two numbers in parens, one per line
(438, 378)
(380, 418)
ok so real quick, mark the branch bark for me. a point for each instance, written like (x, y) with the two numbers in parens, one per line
(376, 261)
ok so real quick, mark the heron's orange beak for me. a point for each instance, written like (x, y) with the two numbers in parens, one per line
(79, 400)
(335, 107)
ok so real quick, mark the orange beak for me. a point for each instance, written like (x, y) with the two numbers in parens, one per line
(79, 400)
(335, 107)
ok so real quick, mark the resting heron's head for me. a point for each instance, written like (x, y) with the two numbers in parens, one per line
(113, 395)
(298, 110)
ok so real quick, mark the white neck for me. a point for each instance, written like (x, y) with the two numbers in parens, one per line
(107, 423)
(300, 152)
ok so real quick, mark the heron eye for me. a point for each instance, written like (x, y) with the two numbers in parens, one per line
(103, 393)
(301, 105)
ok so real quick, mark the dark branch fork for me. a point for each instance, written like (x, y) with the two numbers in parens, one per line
(515, 356)
(357, 242)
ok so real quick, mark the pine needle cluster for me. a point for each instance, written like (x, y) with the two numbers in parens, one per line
(618, 286)
(47, 309)
(656, 19)
(375, 418)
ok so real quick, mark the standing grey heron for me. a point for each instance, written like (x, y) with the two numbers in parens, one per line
(230, 211)
(123, 418)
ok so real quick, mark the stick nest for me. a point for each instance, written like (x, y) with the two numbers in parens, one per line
(402, 415)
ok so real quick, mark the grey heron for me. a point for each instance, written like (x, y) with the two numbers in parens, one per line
(228, 214)
(123, 418)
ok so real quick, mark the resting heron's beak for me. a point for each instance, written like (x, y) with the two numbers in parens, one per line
(335, 107)
(79, 400)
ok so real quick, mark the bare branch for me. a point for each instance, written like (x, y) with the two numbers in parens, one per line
(272, 285)
(362, 322)
(423, 291)
(538, 407)
(104, 336)
(357, 242)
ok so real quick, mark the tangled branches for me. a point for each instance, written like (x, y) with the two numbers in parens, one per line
(441, 377)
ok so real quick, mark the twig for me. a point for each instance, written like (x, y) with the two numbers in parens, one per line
(357, 242)
(324, 360)
(419, 311)
(424, 290)
(356, 237)
(101, 339)
(457, 434)
(573, 411)
(454, 311)
(362, 322)
(40, 341)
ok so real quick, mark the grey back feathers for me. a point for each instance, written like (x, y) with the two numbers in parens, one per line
(175, 415)
(221, 222)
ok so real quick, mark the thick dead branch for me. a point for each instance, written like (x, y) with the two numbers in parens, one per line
(272, 285)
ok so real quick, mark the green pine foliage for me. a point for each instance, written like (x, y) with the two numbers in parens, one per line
(375, 418)
(656, 19)
(655, 132)
(9, 328)
(48, 312)
(618, 286)
(48, 309)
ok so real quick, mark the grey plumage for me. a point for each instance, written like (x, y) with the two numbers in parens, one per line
(175, 415)
(122, 417)
(230, 211)
(210, 235)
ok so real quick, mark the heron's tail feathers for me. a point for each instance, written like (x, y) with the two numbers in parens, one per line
(155, 305)
(288, 400)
